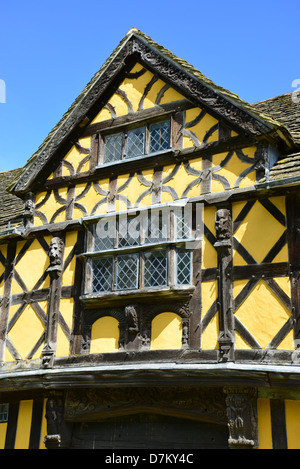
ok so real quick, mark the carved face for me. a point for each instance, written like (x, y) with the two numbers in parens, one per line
(55, 251)
(222, 223)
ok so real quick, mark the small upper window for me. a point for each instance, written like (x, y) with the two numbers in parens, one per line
(137, 142)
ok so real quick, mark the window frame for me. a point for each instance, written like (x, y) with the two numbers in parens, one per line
(171, 246)
(124, 130)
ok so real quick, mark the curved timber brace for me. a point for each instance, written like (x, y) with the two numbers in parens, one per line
(223, 245)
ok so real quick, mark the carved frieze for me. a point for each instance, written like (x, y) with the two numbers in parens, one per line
(92, 404)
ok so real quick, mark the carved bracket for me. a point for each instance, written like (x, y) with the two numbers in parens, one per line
(242, 418)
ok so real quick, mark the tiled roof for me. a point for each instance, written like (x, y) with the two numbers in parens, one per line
(285, 169)
(11, 206)
(284, 109)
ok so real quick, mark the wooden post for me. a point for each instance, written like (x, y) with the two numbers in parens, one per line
(293, 235)
(5, 300)
(223, 245)
(56, 255)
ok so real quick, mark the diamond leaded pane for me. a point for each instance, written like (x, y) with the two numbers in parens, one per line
(183, 223)
(183, 267)
(159, 136)
(135, 142)
(113, 147)
(157, 227)
(104, 235)
(127, 268)
(102, 274)
(155, 268)
(128, 232)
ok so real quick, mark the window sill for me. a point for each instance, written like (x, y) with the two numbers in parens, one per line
(113, 298)
(131, 161)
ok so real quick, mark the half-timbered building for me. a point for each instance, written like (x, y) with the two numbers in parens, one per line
(149, 267)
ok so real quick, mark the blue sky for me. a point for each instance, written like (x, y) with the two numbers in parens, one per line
(49, 50)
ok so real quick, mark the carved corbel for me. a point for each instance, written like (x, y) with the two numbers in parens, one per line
(48, 354)
(29, 210)
(56, 250)
(241, 418)
(58, 431)
(132, 328)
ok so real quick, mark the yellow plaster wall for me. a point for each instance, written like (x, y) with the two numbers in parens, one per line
(264, 424)
(259, 220)
(50, 206)
(166, 332)
(209, 253)
(24, 425)
(263, 315)
(3, 429)
(31, 266)
(75, 158)
(26, 331)
(292, 416)
(68, 275)
(201, 128)
(134, 189)
(180, 181)
(105, 335)
(232, 170)
(209, 339)
(134, 89)
(66, 309)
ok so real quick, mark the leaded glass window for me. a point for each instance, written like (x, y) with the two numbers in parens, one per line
(155, 268)
(138, 252)
(4, 408)
(183, 266)
(102, 274)
(113, 147)
(127, 272)
(136, 142)
(159, 136)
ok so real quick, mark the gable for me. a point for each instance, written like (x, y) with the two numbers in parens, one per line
(165, 67)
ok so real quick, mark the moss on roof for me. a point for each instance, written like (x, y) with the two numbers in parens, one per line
(285, 110)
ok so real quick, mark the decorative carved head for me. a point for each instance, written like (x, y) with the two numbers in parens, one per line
(131, 318)
(223, 224)
(56, 251)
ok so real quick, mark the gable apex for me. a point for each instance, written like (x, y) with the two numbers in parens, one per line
(176, 72)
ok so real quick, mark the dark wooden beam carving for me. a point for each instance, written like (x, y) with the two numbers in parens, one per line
(56, 255)
(223, 246)
(242, 418)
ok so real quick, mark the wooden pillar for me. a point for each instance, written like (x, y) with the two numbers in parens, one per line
(56, 255)
(293, 236)
(223, 245)
(5, 300)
